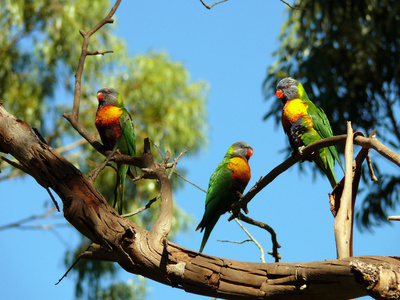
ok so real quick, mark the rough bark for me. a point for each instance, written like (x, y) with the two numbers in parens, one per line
(150, 254)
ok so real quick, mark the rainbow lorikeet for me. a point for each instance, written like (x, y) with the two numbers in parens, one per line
(305, 123)
(110, 117)
(231, 176)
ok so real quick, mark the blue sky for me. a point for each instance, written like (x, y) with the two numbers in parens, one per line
(230, 47)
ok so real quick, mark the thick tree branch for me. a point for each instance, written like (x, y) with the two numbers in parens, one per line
(148, 253)
(159, 231)
(344, 218)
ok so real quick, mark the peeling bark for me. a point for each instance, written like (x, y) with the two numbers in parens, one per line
(150, 254)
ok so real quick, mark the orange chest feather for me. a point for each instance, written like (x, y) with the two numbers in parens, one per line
(107, 115)
(241, 169)
(292, 111)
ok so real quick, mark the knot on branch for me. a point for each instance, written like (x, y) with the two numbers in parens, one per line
(380, 279)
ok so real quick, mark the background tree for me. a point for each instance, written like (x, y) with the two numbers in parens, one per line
(346, 55)
(39, 50)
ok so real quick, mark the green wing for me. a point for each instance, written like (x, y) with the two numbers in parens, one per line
(218, 199)
(319, 119)
(127, 143)
(322, 126)
(218, 186)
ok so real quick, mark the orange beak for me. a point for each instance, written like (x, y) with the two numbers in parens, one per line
(100, 96)
(249, 153)
(279, 94)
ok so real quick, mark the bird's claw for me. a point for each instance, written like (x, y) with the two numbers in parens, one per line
(300, 150)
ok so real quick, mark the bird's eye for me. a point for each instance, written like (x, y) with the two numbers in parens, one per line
(109, 92)
(288, 86)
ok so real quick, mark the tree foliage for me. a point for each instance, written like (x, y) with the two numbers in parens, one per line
(40, 46)
(346, 54)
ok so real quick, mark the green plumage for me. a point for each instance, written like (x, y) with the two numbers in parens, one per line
(111, 117)
(305, 123)
(231, 176)
(127, 146)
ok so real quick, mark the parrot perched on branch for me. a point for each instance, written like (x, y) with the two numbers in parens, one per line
(231, 176)
(305, 123)
(110, 118)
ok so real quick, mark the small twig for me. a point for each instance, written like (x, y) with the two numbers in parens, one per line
(52, 198)
(99, 53)
(18, 37)
(371, 169)
(210, 6)
(176, 162)
(39, 135)
(181, 176)
(235, 242)
(166, 157)
(71, 146)
(15, 165)
(139, 210)
(17, 224)
(252, 239)
(93, 175)
(394, 218)
(275, 244)
(116, 186)
(158, 148)
(295, 8)
(71, 267)
(137, 178)
(369, 162)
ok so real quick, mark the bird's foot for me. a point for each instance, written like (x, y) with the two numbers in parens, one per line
(300, 150)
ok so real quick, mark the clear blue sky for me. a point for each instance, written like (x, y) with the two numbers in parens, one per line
(229, 46)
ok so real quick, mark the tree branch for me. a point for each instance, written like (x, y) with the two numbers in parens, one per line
(73, 118)
(253, 240)
(370, 142)
(210, 6)
(275, 244)
(17, 38)
(93, 175)
(150, 254)
(295, 8)
(344, 217)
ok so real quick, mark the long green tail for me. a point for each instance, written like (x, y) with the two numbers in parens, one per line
(122, 170)
(208, 228)
(326, 162)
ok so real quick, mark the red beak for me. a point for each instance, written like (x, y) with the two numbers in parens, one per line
(249, 153)
(100, 96)
(279, 94)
